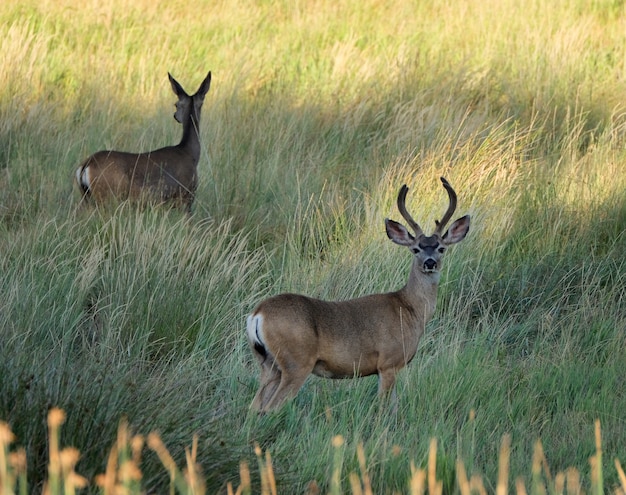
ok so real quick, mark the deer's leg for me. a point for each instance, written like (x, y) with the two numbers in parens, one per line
(386, 381)
(187, 203)
(293, 376)
(287, 389)
(269, 381)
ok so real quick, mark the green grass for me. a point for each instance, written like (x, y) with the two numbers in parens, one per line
(318, 113)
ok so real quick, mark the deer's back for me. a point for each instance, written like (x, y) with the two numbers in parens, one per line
(165, 172)
(346, 336)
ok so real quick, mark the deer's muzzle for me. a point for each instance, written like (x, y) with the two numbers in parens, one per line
(430, 265)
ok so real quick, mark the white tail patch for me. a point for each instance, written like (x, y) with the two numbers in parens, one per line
(255, 330)
(82, 178)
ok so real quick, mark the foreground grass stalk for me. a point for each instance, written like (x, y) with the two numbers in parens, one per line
(435, 487)
(12, 464)
(122, 472)
(193, 472)
(62, 478)
(176, 478)
(461, 476)
(622, 476)
(245, 487)
(417, 483)
(56, 418)
(268, 482)
(597, 481)
(335, 481)
(367, 486)
(503, 470)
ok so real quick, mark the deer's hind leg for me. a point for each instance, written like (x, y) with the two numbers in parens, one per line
(269, 381)
(293, 374)
(287, 388)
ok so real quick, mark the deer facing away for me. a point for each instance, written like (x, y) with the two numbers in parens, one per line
(293, 335)
(165, 174)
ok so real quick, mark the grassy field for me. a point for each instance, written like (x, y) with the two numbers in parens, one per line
(318, 113)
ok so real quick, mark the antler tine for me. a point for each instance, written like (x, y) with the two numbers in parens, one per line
(451, 207)
(405, 214)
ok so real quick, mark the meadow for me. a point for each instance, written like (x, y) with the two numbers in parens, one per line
(317, 114)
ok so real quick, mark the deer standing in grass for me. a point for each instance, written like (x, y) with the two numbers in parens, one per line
(293, 336)
(165, 174)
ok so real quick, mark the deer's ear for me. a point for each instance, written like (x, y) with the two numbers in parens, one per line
(398, 233)
(177, 88)
(457, 231)
(204, 87)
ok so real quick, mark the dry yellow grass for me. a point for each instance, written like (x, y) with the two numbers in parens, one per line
(123, 472)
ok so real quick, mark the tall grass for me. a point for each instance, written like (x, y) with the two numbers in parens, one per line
(318, 113)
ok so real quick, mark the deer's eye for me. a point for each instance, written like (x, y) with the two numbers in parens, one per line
(441, 249)
(415, 250)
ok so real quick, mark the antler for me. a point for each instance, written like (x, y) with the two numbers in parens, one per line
(451, 207)
(402, 208)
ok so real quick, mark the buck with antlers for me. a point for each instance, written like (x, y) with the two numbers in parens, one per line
(165, 174)
(293, 336)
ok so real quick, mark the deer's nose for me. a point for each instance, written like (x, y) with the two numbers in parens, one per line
(430, 264)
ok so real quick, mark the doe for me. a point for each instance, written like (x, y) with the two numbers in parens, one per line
(293, 335)
(165, 174)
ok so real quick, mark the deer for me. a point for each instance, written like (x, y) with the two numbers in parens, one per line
(164, 175)
(293, 335)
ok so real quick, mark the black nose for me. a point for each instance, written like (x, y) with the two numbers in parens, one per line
(430, 264)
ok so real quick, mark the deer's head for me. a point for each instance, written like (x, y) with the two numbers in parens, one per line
(428, 249)
(186, 104)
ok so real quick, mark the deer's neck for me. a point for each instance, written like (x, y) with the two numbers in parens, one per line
(421, 290)
(190, 142)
